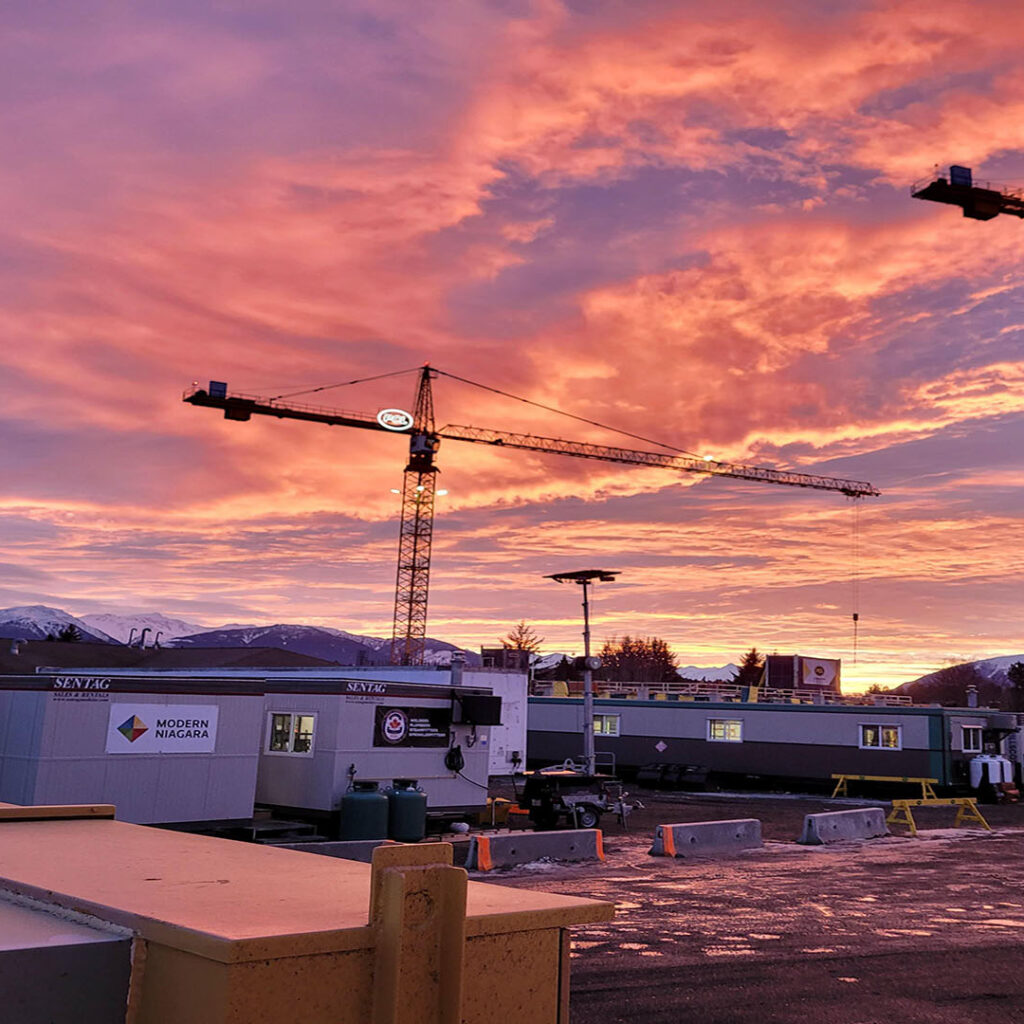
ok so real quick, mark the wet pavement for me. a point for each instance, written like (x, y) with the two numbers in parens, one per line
(895, 929)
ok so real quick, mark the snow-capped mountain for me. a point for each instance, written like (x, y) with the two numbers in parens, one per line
(120, 627)
(991, 669)
(36, 621)
(319, 642)
(725, 674)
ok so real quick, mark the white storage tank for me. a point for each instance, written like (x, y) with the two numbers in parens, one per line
(991, 768)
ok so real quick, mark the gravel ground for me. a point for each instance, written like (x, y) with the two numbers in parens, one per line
(922, 929)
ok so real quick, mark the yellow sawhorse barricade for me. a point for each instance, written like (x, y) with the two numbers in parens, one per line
(927, 793)
(968, 811)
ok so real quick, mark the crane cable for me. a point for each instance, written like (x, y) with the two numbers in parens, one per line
(345, 383)
(496, 391)
(855, 575)
(572, 416)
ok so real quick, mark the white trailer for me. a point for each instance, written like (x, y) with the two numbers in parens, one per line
(207, 746)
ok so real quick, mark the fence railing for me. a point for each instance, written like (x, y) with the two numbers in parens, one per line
(722, 692)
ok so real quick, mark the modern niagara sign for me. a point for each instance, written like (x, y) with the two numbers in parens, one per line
(162, 728)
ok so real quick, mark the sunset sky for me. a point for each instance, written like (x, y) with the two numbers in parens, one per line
(690, 221)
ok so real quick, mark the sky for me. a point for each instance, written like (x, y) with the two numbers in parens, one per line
(691, 222)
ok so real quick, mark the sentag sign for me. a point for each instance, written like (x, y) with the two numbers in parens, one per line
(394, 419)
(162, 729)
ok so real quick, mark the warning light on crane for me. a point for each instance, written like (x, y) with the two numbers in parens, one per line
(978, 201)
(408, 640)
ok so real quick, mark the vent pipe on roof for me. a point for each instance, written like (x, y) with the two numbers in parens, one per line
(458, 664)
(972, 696)
(15, 647)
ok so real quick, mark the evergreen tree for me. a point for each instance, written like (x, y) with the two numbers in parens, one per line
(637, 660)
(522, 638)
(70, 634)
(749, 673)
(1015, 673)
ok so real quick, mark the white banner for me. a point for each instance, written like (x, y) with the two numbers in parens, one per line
(162, 729)
(822, 672)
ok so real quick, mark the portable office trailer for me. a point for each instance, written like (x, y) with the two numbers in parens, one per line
(202, 747)
(507, 740)
(794, 741)
(160, 750)
(320, 736)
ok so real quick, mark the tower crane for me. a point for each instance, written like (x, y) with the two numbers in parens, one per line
(978, 201)
(408, 638)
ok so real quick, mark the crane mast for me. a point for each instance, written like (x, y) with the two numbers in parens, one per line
(419, 483)
(419, 486)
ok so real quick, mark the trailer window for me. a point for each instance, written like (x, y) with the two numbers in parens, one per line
(291, 733)
(881, 737)
(725, 730)
(972, 739)
(606, 725)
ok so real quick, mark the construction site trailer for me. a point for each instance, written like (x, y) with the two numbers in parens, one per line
(320, 738)
(160, 750)
(196, 748)
(507, 740)
(782, 740)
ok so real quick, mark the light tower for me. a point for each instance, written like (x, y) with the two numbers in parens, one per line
(584, 577)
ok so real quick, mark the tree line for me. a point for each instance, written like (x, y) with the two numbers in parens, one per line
(627, 659)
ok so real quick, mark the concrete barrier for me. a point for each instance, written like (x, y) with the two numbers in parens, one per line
(357, 849)
(835, 826)
(706, 838)
(507, 850)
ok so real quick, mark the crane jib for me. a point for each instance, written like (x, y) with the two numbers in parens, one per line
(685, 463)
(244, 407)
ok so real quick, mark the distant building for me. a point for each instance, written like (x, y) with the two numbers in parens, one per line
(507, 659)
(796, 672)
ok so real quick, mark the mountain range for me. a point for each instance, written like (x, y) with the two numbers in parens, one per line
(988, 676)
(36, 622)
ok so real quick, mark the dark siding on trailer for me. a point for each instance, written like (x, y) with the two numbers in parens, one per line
(806, 741)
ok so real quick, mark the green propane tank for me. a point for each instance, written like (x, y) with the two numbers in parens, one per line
(364, 813)
(407, 811)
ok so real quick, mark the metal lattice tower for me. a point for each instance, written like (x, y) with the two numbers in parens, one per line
(409, 631)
